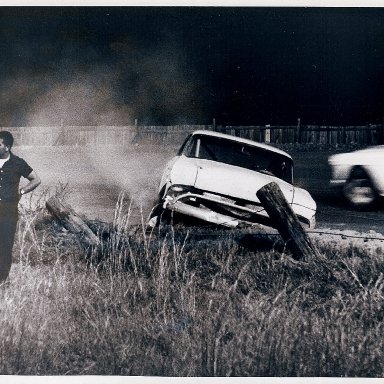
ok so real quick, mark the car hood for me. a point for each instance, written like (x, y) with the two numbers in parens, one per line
(367, 156)
(231, 180)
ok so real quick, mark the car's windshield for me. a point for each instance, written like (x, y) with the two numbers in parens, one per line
(239, 154)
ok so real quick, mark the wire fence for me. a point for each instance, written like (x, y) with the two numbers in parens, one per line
(350, 234)
(214, 231)
(313, 232)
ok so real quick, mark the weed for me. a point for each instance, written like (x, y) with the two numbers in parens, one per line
(184, 301)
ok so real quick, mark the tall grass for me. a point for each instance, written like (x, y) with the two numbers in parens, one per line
(183, 301)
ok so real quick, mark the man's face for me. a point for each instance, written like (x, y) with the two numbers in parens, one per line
(4, 150)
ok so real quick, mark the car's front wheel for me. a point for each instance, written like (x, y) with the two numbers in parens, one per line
(359, 190)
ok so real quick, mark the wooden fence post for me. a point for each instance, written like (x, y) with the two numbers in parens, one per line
(343, 136)
(267, 134)
(286, 222)
(298, 131)
(381, 134)
(71, 221)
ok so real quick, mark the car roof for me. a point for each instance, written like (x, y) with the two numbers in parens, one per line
(242, 140)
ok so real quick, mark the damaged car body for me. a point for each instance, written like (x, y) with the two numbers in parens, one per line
(214, 178)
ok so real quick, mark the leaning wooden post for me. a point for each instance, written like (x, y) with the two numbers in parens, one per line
(71, 221)
(286, 222)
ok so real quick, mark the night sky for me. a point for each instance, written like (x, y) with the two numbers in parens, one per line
(188, 65)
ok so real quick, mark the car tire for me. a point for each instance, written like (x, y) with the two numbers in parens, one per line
(359, 190)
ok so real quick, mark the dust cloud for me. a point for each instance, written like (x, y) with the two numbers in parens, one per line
(89, 88)
(84, 100)
(155, 87)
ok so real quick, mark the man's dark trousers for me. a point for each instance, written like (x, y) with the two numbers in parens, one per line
(8, 224)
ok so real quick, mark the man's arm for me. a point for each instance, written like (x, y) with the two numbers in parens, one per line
(34, 181)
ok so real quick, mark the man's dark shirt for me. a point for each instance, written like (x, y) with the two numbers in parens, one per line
(10, 175)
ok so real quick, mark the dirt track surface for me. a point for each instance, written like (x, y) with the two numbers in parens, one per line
(96, 177)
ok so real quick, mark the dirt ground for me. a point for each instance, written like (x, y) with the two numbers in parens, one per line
(95, 176)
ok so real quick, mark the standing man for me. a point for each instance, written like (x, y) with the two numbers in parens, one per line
(12, 168)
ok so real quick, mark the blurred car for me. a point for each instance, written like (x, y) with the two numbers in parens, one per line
(214, 178)
(360, 175)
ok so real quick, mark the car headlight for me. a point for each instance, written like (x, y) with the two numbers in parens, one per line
(177, 188)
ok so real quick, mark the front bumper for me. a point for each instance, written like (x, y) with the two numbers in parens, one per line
(227, 212)
(204, 214)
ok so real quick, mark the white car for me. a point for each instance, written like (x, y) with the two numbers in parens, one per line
(360, 174)
(215, 177)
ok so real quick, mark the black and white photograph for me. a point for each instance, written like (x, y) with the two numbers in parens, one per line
(191, 191)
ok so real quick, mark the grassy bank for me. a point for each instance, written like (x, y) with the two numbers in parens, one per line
(187, 302)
